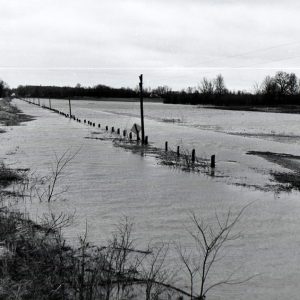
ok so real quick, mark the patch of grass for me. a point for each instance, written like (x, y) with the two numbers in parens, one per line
(289, 181)
(169, 158)
(7, 175)
(10, 115)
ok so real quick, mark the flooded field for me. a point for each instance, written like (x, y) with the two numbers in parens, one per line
(107, 182)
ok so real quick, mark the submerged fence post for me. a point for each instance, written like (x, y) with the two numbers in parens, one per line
(50, 103)
(213, 161)
(166, 146)
(146, 140)
(178, 151)
(193, 155)
(70, 109)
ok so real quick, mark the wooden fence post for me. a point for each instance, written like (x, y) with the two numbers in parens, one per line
(70, 109)
(193, 155)
(213, 161)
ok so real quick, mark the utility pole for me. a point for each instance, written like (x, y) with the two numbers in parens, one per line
(142, 108)
(70, 109)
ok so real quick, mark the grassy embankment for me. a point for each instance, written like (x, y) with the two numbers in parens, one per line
(10, 115)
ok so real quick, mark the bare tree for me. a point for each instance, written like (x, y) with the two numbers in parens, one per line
(55, 222)
(154, 271)
(269, 86)
(293, 87)
(209, 240)
(161, 91)
(206, 86)
(257, 88)
(219, 84)
(190, 263)
(282, 84)
(49, 191)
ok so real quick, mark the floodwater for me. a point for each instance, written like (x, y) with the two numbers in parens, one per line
(106, 182)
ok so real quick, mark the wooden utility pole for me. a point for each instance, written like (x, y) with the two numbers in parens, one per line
(142, 108)
(70, 109)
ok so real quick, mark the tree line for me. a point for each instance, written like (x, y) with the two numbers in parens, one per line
(79, 91)
(281, 89)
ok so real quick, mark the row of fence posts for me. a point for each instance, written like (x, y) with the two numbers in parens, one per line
(87, 121)
(53, 109)
(124, 133)
(193, 155)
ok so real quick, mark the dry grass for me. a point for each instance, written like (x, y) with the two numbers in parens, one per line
(7, 175)
(10, 115)
(169, 158)
(289, 181)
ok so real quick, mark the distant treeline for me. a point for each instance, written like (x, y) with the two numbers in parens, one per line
(281, 89)
(73, 92)
(231, 99)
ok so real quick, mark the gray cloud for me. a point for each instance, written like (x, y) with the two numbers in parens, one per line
(146, 35)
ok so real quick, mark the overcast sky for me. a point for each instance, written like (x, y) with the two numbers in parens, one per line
(172, 42)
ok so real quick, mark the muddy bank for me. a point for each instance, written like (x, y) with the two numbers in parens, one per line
(288, 180)
(10, 115)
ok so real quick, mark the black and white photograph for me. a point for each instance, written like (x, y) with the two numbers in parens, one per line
(149, 149)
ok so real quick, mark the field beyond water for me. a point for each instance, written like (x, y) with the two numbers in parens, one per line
(106, 182)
